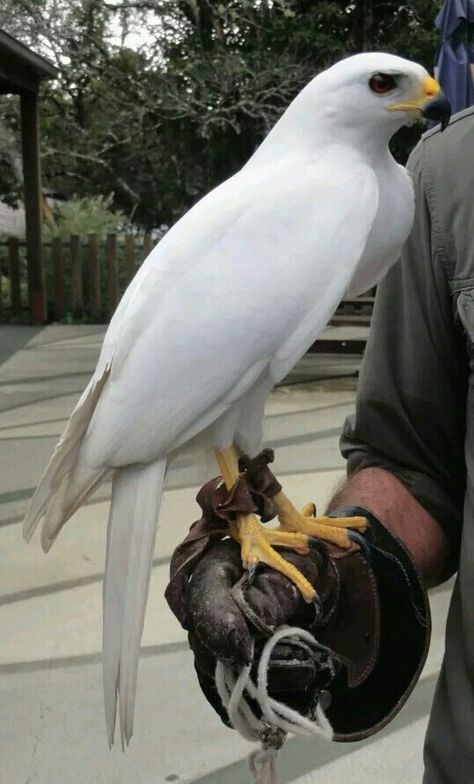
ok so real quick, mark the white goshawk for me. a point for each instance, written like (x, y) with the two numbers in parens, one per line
(220, 311)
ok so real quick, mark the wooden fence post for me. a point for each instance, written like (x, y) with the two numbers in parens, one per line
(58, 278)
(76, 276)
(129, 253)
(94, 273)
(147, 245)
(15, 290)
(112, 272)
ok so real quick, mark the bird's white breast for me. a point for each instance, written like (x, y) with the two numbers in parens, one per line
(390, 229)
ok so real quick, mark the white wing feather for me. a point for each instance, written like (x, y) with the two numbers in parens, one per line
(272, 256)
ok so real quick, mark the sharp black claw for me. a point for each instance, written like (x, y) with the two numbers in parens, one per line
(356, 537)
(318, 608)
(369, 534)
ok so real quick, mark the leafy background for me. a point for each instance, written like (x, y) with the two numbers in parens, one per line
(158, 101)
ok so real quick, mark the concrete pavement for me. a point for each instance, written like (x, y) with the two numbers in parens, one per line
(50, 607)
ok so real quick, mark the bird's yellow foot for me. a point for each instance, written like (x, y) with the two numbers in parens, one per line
(329, 529)
(257, 545)
(257, 542)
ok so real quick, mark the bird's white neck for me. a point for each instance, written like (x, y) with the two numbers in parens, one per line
(302, 133)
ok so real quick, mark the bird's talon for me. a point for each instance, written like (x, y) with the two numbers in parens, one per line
(251, 571)
(357, 538)
(318, 608)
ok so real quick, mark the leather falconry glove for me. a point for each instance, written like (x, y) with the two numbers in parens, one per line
(371, 624)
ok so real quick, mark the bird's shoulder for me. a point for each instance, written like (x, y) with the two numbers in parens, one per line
(270, 192)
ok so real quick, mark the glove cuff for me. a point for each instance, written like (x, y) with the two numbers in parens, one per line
(405, 630)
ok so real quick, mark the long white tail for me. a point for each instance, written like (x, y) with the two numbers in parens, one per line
(136, 496)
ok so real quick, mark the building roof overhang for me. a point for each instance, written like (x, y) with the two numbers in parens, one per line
(21, 69)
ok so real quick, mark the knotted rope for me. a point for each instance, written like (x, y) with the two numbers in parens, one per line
(277, 719)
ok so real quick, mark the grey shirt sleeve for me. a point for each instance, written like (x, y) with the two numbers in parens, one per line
(410, 407)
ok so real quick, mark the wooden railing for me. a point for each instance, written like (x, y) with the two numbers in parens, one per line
(84, 276)
(355, 312)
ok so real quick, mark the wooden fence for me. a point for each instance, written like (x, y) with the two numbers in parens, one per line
(84, 276)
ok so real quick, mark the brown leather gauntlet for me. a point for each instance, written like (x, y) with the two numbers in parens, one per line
(365, 701)
(373, 631)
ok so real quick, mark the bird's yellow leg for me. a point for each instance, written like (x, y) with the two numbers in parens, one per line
(329, 529)
(256, 542)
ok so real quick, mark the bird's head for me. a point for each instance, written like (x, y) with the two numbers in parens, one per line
(378, 90)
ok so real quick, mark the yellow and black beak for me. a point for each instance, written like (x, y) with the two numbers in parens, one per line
(439, 110)
(431, 103)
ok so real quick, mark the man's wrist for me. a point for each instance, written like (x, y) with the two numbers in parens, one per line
(382, 493)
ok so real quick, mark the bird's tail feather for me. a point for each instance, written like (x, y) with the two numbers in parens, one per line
(55, 484)
(136, 496)
(68, 497)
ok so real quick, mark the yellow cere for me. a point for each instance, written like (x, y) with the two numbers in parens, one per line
(431, 87)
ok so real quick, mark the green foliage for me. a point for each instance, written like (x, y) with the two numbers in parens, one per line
(8, 181)
(10, 184)
(87, 215)
(160, 118)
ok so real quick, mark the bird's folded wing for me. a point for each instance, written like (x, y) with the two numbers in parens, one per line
(241, 283)
(349, 231)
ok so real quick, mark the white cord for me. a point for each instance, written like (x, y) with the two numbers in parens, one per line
(277, 719)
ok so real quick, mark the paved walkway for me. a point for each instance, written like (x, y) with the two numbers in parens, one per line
(52, 729)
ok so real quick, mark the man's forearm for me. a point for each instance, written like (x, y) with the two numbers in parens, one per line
(381, 493)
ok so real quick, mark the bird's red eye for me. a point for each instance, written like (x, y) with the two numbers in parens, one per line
(382, 83)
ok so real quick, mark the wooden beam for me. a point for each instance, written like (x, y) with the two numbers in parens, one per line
(76, 276)
(58, 278)
(112, 272)
(15, 53)
(15, 286)
(129, 254)
(147, 245)
(32, 197)
(94, 278)
(15, 78)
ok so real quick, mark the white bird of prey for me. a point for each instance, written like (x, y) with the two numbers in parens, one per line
(220, 311)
